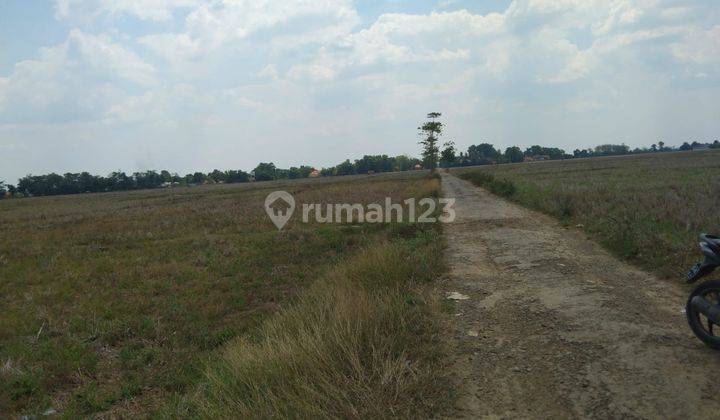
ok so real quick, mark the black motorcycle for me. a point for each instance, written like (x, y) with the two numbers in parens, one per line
(703, 305)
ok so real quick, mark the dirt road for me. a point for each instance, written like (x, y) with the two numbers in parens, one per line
(555, 327)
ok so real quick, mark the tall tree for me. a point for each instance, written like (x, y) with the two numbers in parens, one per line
(514, 154)
(217, 176)
(430, 133)
(345, 168)
(447, 156)
(198, 178)
(233, 176)
(265, 172)
(482, 154)
(551, 152)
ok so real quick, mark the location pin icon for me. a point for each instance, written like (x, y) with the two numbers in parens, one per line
(279, 206)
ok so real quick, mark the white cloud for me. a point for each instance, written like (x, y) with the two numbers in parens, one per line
(173, 47)
(4, 82)
(73, 80)
(676, 12)
(101, 53)
(400, 39)
(314, 72)
(621, 12)
(269, 71)
(498, 58)
(164, 106)
(238, 19)
(156, 10)
(699, 47)
(577, 67)
(217, 26)
(233, 20)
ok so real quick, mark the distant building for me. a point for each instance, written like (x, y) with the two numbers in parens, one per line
(701, 147)
(314, 173)
(418, 167)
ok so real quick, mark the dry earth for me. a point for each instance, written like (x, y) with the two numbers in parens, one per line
(555, 327)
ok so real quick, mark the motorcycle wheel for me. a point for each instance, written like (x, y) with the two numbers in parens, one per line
(699, 323)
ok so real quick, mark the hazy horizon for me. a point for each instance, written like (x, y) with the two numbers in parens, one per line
(192, 85)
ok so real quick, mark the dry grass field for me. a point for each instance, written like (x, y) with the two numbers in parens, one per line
(189, 301)
(648, 209)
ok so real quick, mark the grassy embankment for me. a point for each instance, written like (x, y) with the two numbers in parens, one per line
(190, 302)
(647, 209)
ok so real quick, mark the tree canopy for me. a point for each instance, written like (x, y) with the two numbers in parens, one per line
(430, 133)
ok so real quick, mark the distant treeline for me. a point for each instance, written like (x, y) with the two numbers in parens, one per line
(84, 182)
(373, 164)
(481, 154)
(486, 154)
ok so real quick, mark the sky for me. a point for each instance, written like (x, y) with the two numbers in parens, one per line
(187, 85)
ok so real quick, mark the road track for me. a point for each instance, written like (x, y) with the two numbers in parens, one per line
(555, 327)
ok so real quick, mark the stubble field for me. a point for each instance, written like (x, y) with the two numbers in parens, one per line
(189, 301)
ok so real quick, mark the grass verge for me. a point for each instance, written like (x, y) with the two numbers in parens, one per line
(360, 342)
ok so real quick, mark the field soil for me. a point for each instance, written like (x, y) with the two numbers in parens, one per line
(549, 325)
